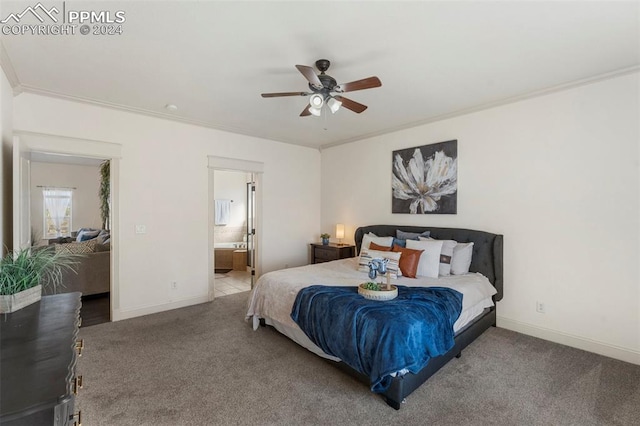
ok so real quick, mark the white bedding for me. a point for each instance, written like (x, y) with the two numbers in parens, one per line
(275, 292)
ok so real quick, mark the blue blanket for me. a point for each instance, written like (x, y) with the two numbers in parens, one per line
(378, 338)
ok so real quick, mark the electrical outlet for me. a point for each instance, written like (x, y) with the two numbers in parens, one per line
(174, 285)
(141, 229)
(541, 307)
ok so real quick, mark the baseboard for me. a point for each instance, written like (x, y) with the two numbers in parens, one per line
(122, 314)
(617, 352)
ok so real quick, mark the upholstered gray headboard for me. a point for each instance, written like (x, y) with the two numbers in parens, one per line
(487, 247)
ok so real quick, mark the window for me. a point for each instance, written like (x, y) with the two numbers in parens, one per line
(57, 212)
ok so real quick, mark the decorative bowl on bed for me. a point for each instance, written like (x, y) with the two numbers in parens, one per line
(374, 291)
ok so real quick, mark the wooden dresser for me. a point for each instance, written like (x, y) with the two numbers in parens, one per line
(38, 353)
(326, 253)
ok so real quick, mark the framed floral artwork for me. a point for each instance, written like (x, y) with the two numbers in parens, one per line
(425, 179)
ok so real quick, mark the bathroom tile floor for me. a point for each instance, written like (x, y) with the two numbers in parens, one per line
(232, 282)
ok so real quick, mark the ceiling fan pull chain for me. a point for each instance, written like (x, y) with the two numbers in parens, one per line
(325, 115)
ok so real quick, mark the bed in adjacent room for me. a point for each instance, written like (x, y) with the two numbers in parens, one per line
(467, 280)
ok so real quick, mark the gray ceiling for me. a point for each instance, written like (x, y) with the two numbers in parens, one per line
(213, 59)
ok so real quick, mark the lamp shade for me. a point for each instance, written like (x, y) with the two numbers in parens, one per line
(340, 231)
(315, 111)
(316, 101)
(315, 104)
(334, 105)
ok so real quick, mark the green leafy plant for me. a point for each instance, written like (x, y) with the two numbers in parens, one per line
(325, 235)
(371, 286)
(104, 192)
(27, 268)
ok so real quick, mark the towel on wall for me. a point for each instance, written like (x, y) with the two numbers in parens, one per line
(223, 212)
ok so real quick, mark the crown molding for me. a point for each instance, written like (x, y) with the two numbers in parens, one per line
(18, 88)
(493, 104)
(150, 113)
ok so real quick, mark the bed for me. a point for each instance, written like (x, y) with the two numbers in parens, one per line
(273, 297)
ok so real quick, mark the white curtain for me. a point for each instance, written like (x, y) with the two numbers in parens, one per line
(57, 201)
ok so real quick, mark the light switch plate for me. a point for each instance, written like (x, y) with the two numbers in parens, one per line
(141, 229)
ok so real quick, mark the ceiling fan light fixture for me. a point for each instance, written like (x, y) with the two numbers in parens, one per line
(334, 105)
(315, 111)
(322, 86)
(316, 101)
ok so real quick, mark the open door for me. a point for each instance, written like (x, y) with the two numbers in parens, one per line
(251, 171)
(21, 195)
(251, 228)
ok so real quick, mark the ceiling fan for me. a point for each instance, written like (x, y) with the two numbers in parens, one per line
(325, 90)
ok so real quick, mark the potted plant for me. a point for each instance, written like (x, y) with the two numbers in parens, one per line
(104, 193)
(325, 238)
(377, 291)
(24, 272)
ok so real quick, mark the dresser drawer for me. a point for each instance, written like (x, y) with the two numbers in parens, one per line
(38, 354)
(323, 255)
(326, 253)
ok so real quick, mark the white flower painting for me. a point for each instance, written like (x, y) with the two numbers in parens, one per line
(425, 179)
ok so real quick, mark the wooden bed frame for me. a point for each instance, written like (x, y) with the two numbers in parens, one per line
(487, 260)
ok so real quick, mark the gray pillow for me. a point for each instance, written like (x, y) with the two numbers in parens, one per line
(402, 235)
(103, 236)
(102, 247)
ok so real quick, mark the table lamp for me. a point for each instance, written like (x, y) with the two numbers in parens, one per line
(340, 233)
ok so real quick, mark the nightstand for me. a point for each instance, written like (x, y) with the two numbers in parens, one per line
(326, 253)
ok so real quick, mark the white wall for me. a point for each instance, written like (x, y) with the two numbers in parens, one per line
(558, 176)
(164, 185)
(86, 203)
(6, 143)
(232, 186)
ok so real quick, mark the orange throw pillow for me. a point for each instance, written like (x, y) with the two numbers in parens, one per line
(374, 246)
(409, 260)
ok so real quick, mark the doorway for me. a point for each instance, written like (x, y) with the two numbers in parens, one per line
(66, 214)
(64, 153)
(231, 232)
(233, 225)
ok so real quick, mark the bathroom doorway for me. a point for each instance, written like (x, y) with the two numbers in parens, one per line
(231, 231)
(234, 231)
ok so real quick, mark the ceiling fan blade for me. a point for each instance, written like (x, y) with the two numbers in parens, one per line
(310, 75)
(365, 83)
(305, 112)
(275, 95)
(352, 105)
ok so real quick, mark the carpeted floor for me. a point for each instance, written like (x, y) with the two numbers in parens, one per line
(204, 365)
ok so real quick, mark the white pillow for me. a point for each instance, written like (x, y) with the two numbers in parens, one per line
(429, 265)
(393, 268)
(445, 255)
(371, 237)
(461, 260)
